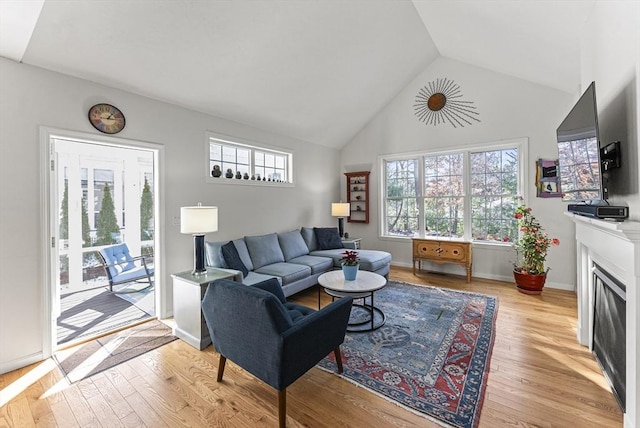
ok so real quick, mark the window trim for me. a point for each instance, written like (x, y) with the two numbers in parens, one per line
(521, 143)
(252, 146)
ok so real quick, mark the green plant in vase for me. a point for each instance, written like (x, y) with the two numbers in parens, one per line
(531, 251)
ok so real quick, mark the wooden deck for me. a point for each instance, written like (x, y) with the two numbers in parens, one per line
(88, 313)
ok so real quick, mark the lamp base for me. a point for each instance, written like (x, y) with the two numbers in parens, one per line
(198, 256)
(341, 226)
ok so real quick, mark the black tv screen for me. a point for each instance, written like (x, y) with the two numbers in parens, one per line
(579, 166)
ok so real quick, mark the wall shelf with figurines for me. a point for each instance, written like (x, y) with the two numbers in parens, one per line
(358, 196)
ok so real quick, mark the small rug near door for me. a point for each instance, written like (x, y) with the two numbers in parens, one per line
(432, 355)
(101, 354)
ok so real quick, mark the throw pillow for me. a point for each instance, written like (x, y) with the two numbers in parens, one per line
(328, 238)
(232, 258)
(292, 245)
(213, 254)
(309, 237)
(264, 250)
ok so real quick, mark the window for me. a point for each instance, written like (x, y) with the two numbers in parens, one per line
(401, 202)
(444, 195)
(248, 161)
(494, 189)
(465, 193)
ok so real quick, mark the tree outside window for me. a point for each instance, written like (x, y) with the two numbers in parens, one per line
(444, 195)
(146, 212)
(494, 189)
(107, 227)
(402, 202)
(433, 200)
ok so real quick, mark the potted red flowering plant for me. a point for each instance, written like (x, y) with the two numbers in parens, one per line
(529, 270)
(350, 264)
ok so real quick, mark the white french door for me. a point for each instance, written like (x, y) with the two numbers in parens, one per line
(81, 167)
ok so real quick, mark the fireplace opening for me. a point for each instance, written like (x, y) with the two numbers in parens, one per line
(609, 331)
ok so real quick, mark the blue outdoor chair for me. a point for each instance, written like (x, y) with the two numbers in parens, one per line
(121, 268)
(276, 341)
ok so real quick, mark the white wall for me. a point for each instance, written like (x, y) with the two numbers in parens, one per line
(611, 57)
(508, 108)
(31, 97)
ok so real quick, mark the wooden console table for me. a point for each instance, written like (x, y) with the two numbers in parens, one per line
(442, 251)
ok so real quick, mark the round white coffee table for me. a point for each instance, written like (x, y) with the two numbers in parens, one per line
(365, 284)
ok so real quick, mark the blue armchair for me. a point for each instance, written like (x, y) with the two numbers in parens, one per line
(121, 268)
(275, 340)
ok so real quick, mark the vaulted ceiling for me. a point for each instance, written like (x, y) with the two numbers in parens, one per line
(315, 70)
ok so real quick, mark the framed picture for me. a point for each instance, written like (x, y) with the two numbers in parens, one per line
(547, 180)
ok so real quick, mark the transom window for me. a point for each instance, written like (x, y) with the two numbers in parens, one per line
(466, 193)
(249, 162)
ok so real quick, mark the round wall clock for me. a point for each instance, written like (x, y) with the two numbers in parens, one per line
(106, 118)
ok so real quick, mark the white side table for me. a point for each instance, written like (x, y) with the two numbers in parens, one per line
(352, 243)
(188, 291)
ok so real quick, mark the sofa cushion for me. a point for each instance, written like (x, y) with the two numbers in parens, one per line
(370, 260)
(213, 255)
(328, 238)
(288, 272)
(309, 237)
(232, 258)
(254, 278)
(119, 259)
(317, 264)
(264, 250)
(292, 245)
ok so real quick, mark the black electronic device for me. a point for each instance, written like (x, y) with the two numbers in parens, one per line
(610, 156)
(584, 162)
(579, 165)
(612, 212)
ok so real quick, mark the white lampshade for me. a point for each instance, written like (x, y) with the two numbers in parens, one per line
(340, 209)
(198, 220)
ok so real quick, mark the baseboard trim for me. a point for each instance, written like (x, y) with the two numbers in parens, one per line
(484, 275)
(8, 366)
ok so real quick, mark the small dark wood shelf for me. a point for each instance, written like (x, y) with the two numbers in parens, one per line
(358, 185)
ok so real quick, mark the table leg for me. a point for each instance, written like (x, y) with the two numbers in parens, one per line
(373, 316)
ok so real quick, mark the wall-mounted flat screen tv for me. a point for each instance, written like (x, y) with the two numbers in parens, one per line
(579, 165)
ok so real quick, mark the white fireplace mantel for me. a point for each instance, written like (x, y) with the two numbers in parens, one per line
(615, 246)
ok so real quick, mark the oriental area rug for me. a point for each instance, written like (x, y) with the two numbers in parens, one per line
(431, 356)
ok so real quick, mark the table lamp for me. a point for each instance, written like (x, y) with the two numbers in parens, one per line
(198, 221)
(340, 210)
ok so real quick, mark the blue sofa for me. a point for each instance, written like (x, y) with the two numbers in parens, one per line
(295, 258)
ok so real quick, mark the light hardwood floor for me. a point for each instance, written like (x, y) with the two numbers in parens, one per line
(539, 377)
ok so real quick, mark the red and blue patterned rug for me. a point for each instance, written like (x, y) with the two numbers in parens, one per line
(432, 355)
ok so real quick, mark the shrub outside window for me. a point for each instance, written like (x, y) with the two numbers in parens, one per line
(466, 193)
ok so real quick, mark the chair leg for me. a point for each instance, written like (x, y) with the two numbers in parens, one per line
(338, 355)
(221, 364)
(282, 408)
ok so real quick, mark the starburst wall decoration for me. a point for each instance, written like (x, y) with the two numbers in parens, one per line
(439, 102)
